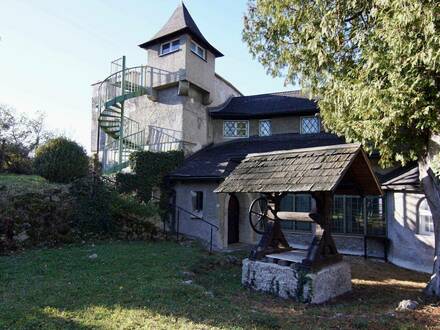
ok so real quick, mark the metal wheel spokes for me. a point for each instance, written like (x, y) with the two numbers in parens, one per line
(258, 214)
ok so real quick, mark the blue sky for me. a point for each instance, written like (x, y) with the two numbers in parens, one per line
(52, 51)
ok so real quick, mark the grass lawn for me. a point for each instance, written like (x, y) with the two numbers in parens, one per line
(141, 285)
(12, 184)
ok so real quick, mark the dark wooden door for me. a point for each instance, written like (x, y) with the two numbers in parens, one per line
(233, 220)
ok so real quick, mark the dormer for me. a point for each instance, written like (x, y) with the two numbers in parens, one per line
(180, 46)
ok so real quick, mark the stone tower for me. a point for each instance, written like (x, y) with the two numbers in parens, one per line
(180, 46)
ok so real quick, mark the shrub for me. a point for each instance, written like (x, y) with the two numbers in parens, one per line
(151, 170)
(61, 160)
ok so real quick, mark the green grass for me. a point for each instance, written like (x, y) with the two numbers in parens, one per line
(140, 285)
(12, 184)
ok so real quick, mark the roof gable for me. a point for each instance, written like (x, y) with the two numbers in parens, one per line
(303, 170)
(180, 22)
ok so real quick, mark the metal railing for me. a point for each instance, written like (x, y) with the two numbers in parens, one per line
(137, 80)
(179, 209)
(194, 216)
(154, 139)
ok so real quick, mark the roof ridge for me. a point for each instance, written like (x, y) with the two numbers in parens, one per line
(297, 92)
(336, 146)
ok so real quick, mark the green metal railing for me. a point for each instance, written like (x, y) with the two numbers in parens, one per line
(126, 134)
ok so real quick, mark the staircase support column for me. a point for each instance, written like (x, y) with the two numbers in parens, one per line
(121, 132)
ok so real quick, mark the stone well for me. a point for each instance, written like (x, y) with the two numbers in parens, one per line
(293, 282)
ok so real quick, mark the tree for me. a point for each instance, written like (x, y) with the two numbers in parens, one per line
(20, 135)
(374, 67)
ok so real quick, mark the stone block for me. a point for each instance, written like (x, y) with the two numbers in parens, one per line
(297, 284)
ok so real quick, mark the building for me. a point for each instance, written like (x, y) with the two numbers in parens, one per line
(178, 102)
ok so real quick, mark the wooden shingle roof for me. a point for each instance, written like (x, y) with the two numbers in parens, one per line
(303, 170)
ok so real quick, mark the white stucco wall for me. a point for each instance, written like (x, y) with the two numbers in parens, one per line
(409, 248)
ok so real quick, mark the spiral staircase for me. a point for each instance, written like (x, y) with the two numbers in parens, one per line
(123, 134)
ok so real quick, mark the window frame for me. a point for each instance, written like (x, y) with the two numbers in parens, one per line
(197, 47)
(197, 202)
(364, 215)
(424, 212)
(293, 223)
(301, 130)
(259, 126)
(236, 136)
(162, 53)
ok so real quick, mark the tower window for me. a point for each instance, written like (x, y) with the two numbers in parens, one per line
(198, 50)
(170, 47)
(310, 125)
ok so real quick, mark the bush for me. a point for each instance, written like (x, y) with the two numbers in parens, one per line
(102, 212)
(61, 160)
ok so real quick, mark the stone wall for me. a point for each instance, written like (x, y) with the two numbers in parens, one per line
(297, 284)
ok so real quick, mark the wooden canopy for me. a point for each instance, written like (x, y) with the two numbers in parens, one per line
(341, 168)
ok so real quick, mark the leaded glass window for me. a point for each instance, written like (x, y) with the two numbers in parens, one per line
(338, 214)
(296, 203)
(375, 216)
(235, 129)
(265, 127)
(310, 125)
(354, 215)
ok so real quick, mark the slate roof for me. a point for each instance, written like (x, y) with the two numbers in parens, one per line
(217, 161)
(402, 178)
(181, 22)
(265, 105)
(300, 170)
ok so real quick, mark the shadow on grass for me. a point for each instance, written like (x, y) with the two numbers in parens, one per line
(166, 285)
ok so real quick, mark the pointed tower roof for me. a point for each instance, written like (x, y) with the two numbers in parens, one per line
(181, 22)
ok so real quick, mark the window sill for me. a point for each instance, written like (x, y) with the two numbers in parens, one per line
(203, 59)
(235, 137)
(197, 215)
(174, 51)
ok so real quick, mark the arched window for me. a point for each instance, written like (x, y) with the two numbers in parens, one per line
(426, 225)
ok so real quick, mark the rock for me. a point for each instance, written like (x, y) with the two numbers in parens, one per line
(188, 274)
(209, 294)
(23, 236)
(188, 282)
(93, 256)
(232, 260)
(407, 305)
